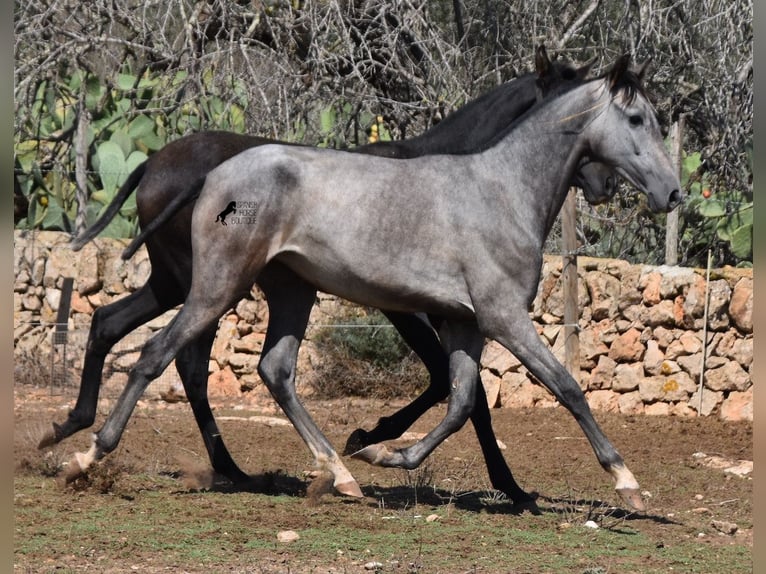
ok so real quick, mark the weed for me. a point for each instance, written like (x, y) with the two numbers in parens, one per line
(30, 369)
(364, 356)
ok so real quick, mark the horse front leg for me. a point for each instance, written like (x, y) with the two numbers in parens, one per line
(109, 324)
(290, 300)
(190, 322)
(463, 343)
(521, 338)
(192, 366)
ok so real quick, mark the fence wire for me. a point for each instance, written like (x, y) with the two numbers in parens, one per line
(63, 367)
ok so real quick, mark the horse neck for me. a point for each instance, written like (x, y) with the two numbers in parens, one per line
(475, 125)
(546, 146)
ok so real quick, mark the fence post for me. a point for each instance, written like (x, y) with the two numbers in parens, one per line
(569, 285)
(671, 231)
(61, 329)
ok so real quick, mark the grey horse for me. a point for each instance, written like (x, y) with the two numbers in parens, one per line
(457, 237)
(172, 178)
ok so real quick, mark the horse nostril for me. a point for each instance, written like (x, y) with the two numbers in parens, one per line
(675, 198)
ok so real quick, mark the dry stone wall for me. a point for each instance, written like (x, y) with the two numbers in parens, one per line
(640, 328)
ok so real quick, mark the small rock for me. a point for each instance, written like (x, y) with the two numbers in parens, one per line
(287, 536)
(373, 566)
(432, 517)
(724, 527)
(591, 524)
(744, 468)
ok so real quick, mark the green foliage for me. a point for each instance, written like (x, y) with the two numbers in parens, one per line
(720, 219)
(367, 338)
(129, 118)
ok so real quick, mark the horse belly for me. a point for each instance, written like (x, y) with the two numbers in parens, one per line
(391, 288)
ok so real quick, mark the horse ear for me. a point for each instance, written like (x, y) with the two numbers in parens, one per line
(542, 61)
(583, 71)
(642, 69)
(618, 69)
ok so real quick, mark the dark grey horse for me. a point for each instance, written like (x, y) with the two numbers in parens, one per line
(173, 177)
(457, 237)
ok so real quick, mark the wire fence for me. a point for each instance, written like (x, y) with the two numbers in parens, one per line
(59, 366)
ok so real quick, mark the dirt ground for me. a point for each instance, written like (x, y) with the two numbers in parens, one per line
(686, 467)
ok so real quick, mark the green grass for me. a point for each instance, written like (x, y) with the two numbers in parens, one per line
(207, 531)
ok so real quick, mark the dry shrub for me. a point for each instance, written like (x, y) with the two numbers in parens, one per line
(30, 369)
(364, 356)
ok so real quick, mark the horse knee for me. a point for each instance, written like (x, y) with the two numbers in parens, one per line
(275, 370)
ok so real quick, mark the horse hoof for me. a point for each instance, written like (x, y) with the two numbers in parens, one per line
(50, 438)
(632, 497)
(74, 469)
(527, 506)
(350, 488)
(355, 442)
(373, 454)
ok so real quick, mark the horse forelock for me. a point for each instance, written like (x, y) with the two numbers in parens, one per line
(628, 87)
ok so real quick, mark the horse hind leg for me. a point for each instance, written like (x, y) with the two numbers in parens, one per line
(290, 300)
(192, 320)
(422, 339)
(192, 366)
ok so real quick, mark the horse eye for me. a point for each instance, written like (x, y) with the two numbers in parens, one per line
(636, 120)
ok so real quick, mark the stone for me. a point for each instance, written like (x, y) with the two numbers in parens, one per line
(718, 304)
(663, 336)
(627, 347)
(80, 304)
(627, 377)
(694, 298)
(650, 285)
(227, 331)
(657, 409)
(729, 377)
(602, 375)
(250, 344)
(741, 305)
(498, 359)
(604, 400)
(630, 403)
(604, 292)
(710, 401)
(666, 389)
(732, 346)
(738, 406)
(247, 310)
(653, 358)
(660, 314)
(87, 280)
(223, 383)
(242, 363)
(60, 264)
(692, 342)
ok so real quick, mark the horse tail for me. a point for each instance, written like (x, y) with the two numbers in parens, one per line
(112, 209)
(175, 205)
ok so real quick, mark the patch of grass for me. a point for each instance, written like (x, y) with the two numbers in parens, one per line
(210, 531)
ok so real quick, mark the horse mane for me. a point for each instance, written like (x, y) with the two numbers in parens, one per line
(622, 80)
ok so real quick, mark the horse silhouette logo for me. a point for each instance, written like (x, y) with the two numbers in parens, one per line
(231, 208)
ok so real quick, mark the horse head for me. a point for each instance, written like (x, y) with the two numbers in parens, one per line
(629, 137)
(597, 180)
